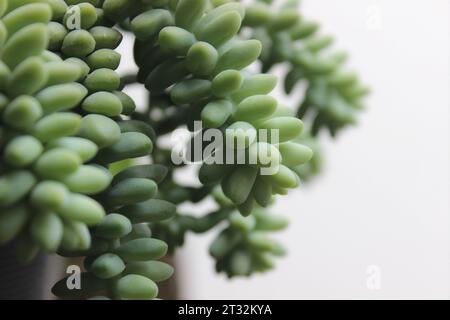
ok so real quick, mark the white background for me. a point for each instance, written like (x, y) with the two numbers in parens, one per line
(383, 198)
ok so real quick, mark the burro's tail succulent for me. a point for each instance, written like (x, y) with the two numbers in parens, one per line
(193, 54)
(61, 127)
(334, 95)
(70, 180)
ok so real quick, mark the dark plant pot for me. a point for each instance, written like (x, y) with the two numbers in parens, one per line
(26, 282)
(34, 281)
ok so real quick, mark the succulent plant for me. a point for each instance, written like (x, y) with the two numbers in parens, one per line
(70, 137)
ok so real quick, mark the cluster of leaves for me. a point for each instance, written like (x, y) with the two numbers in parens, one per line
(195, 88)
(62, 122)
(69, 134)
(334, 95)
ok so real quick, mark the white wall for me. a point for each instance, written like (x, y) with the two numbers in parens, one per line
(384, 197)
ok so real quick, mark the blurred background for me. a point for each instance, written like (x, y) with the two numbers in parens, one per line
(375, 224)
